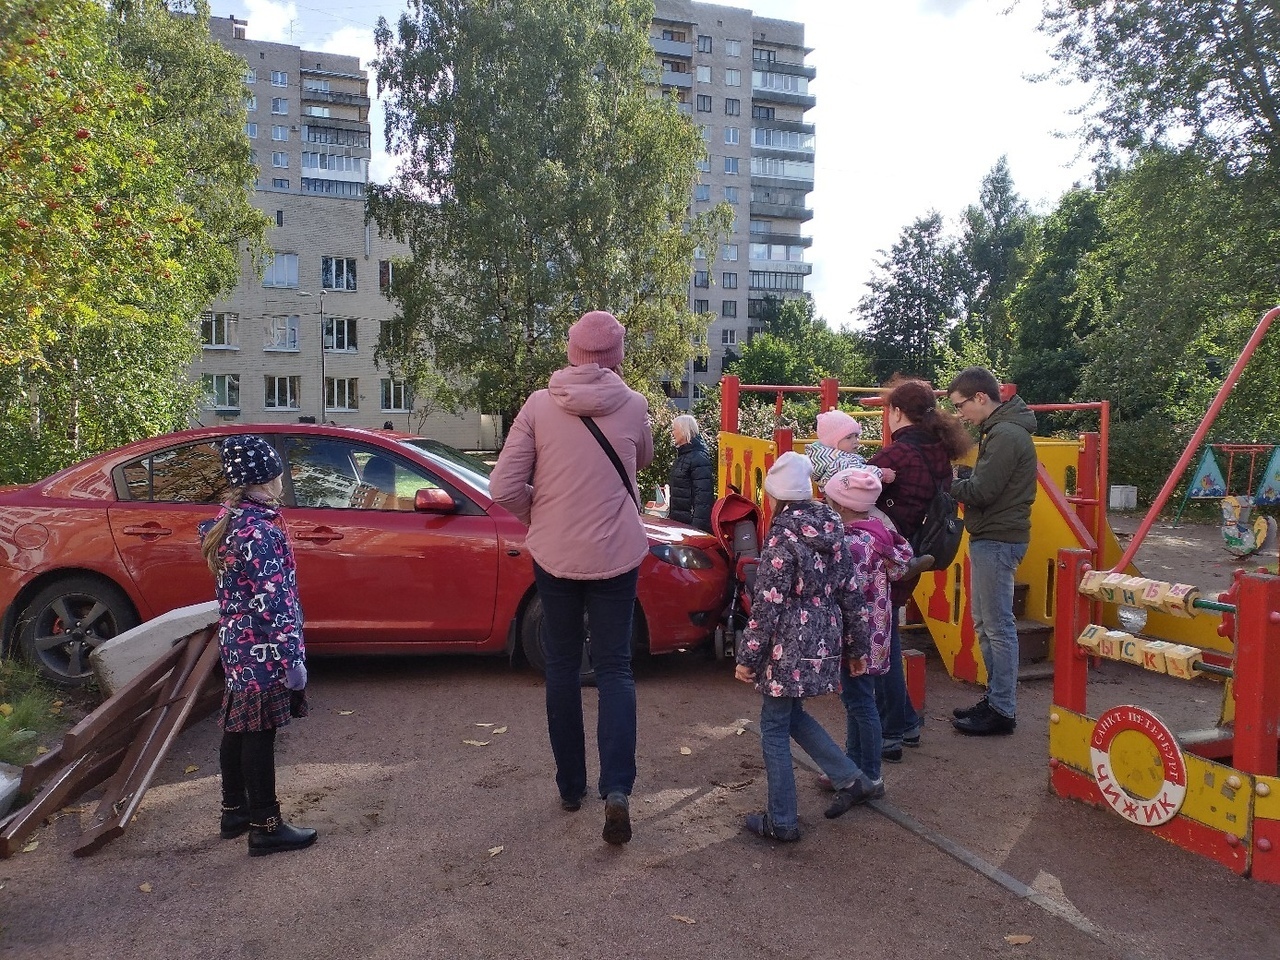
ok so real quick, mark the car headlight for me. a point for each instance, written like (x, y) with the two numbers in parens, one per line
(690, 558)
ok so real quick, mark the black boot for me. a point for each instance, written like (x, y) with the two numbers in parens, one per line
(270, 834)
(235, 820)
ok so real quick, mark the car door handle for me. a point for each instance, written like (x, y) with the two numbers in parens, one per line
(147, 530)
(319, 535)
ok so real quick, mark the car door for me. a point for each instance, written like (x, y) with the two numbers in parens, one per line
(371, 569)
(163, 498)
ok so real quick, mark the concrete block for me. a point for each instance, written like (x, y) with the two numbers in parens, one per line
(121, 658)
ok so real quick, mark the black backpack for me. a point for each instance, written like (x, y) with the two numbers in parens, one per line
(939, 534)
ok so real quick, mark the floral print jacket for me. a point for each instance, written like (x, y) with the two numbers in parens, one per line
(806, 614)
(260, 629)
(879, 556)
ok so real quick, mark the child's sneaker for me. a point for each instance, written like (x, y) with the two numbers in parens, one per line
(892, 754)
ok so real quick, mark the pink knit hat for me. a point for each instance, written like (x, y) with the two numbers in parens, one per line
(596, 338)
(835, 425)
(854, 489)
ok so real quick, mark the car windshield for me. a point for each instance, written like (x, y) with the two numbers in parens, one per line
(472, 468)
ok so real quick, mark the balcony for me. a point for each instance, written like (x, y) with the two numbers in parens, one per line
(805, 100)
(325, 96)
(683, 81)
(791, 69)
(671, 48)
(781, 183)
(783, 266)
(781, 211)
(790, 239)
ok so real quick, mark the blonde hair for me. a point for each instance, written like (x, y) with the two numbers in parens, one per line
(686, 426)
(212, 542)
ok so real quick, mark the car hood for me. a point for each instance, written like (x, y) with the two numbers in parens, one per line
(660, 530)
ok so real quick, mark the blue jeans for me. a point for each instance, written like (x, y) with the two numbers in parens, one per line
(608, 606)
(898, 717)
(862, 741)
(992, 567)
(783, 719)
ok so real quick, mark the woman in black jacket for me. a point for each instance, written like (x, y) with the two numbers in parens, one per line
(692, 479)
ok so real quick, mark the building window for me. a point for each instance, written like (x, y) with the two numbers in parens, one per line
(251, 75)
(250, 102)
(279, 132)
(699, 253)
(704, 164)
(702, 306)
(729, 281)
(251, 131)
(340, 138)
(733, 78)
(280, 333)
(341, 393)
(333, 161)
(701, 278)
(340, 334)
(762, 113)
(279, 183)
(704, 103)
(222, 390)
(279, 78)
(386, 276)
(776, 281)
(759, 55)
(728, 308)
(319, 112)
(333, 188)
(282, 271)
(732, 107)
(316, 86)
(338, 273)
(731, 135)
(731, 165)
(280, 159)
(280, 213)
(728, 337)
(761, 226)
(677, 35)
(280, 106)
(218, 330)
(704, 74)
(755, 309)
(704, 44)
(395, 395)
(729, 251)
(731, 194)
(702, 191)
(282, 393)
(733, 48)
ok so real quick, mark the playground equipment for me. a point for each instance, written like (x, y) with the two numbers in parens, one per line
(1242, 534)
(1216, 791)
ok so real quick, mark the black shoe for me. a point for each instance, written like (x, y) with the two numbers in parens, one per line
(617, 819)
(985, 722)
(891, 754)
(272, 835)
(570, 805)
(762, 826)
(235, 821)
(848, 798)
(961, 712)
(912, 740)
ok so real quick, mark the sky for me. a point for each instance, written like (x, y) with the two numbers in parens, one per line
(916, 101)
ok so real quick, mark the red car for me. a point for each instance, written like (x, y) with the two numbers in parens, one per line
(399, 547)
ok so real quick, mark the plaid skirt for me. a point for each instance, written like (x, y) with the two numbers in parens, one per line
(246, 711)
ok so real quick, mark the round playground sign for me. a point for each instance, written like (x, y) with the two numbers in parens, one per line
(1131, 745)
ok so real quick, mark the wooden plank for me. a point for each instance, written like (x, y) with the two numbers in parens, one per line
(72, 780)
(142, 687)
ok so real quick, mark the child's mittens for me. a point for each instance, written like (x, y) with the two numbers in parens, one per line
(888, 474)
(295, 676)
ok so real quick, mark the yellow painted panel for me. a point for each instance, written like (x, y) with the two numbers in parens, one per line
(1267, 807)
(1069, 738)
(1211, 801)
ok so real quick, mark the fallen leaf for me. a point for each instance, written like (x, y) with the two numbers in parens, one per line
(345, 713)
(1018, 939)
(676, 916)
(484, 724)
(476, 743)
(144, 887)
(191, 768)
(6, 709)
(499, 729)
(739, 732)
(56, 703)
(30, 847)
(494, 851)
(41, 751)
(686, 751)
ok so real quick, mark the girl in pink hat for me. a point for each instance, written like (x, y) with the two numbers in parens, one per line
(837, 448)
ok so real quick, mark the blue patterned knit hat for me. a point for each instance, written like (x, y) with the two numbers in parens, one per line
(249, 460)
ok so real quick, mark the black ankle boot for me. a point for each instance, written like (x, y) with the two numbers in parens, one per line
(270, 834)
(235, 821)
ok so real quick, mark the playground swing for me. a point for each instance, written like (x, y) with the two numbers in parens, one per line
(1242, 534)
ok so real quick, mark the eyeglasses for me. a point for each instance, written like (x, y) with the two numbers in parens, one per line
(960, 405)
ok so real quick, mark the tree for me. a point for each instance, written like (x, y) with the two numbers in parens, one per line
(538, 178)
(114, 238)
(914, 300)
(799, 348)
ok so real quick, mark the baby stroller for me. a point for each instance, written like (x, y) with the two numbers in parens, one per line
(735, 522)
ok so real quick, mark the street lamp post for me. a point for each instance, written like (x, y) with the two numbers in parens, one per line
(323, 398)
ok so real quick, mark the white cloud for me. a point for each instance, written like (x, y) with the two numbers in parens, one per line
(358, 42)
(269, 21)
(947, 8)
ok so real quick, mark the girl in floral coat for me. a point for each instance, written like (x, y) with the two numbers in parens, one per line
(806, 619)
(260, 637)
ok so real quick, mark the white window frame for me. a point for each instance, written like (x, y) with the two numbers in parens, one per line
(340, 335)
(730, 194)
(280, 159)
(703, 73)
(250, 102)
(728, 337)
(280, 333)
(280, 106)
(280, 132)
(338, 273)
(731, 166)
(250, 75)
(279, 78)
(729, 251)
(733, 48)
(282, 271)
(222, 390)
(345, 389)
(393, 390)
(251, 130)
(732, 135)
(733, 78)
(223, 330)
(272, 390)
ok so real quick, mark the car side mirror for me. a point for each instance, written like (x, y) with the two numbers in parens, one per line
(434, 500)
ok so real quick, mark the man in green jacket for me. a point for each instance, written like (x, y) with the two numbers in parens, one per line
(997, 498)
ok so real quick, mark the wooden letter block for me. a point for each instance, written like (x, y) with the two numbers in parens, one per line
(1112, 644)
(1153, 652)
(1131, 591)
(1154, 594)
(1182, 661)
(1178, 601)
(1091, 583)
(1131, 650)
(1112, 584)
(1091, 638)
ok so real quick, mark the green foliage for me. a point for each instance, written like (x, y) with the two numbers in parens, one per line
(27, 710)
(537, 179)
(798, 348)
(1143, 451)
(123, 206)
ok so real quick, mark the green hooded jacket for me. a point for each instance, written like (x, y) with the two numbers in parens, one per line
(997, 498)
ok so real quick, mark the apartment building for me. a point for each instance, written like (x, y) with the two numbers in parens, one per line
(299, 342)
(744, 82)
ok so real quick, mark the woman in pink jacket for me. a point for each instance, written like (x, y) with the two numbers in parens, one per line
(587, 542)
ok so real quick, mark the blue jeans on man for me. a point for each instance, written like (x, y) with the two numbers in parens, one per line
(993, 565)
(783, 719)
(608, 606)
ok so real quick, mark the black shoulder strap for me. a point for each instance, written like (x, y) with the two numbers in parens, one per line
(613, 458)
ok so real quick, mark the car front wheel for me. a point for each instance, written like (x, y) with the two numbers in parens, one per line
(531, 639)
(66, 620)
